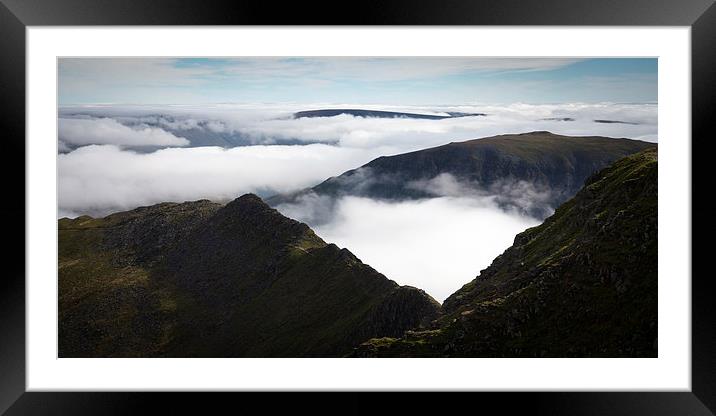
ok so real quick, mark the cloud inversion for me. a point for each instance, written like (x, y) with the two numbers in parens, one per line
(80, 132)
(97, 180)
(436, 244)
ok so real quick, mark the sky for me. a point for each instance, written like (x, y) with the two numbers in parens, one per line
(136, 131)
(396, 81)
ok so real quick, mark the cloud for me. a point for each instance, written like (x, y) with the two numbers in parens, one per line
(269, 124)
(88, 177)
(368, 79)
(435, 244)
(413, 134)
(100, 179)
(162, 72)
(311, 208)
(198, 80)
(62, 147)
(81, 131)
(514, 196)
(523, 196)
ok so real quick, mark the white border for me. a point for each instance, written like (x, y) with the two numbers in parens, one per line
(671, 371)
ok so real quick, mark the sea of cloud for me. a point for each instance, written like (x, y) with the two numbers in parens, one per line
(100, 179)
(148, 158)
(114, 158)
(264, 125)
(436, 244)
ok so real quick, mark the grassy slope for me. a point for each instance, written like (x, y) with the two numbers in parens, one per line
(109, 304)
(581, 284)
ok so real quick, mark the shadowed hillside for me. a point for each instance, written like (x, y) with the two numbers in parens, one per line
(548, 167)
(201, 279)
(582, 284)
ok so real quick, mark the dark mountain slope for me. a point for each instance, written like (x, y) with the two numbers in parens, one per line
(551, 167)
(200, 279)
(584, 283)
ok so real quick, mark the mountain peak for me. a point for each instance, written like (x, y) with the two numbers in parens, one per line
(247, 199)
(249, 205)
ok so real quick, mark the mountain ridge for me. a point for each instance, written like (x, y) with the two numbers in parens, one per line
(202, 279)
(550, 165)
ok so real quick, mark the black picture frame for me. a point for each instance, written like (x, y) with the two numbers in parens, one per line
(16, 15)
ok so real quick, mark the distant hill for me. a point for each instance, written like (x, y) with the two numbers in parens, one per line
(549, 166)
(379, 114)
(200, 279)
(582, 284)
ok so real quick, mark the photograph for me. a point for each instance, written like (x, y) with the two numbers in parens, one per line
(357, 207)
(209, 204)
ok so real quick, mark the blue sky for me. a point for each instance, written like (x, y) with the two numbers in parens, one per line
(394, 81)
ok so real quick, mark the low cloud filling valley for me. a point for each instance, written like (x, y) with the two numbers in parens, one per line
(113, 158)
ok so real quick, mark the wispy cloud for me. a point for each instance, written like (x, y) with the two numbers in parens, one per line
(385, 79)
(158, 72)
